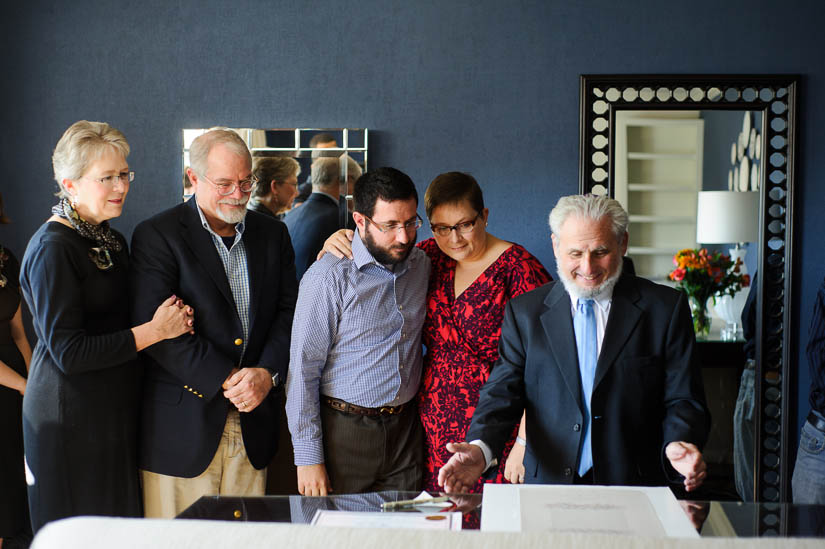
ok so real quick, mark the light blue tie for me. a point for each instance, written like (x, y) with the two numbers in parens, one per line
(584, 325)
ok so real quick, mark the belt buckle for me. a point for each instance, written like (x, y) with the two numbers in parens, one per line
(386, 410)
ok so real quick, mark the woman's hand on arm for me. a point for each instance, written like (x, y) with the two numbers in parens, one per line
(338, 244)
(171, 319)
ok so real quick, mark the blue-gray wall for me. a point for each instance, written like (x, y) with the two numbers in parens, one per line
(485, 86)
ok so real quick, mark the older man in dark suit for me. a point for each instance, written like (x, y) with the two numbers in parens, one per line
(603, 365)
(211, 402)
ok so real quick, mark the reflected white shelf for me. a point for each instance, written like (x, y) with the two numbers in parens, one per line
(660, 156)
(670, 219)
(648, 250)
(661, 187)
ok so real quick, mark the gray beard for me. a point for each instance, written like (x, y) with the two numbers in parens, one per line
(232, 217)
(588, 293)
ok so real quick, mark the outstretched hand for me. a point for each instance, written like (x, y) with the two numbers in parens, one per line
(688, 462)
(463, 469)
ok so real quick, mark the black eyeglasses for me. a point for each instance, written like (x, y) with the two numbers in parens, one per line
(398, 227)
(461, 228)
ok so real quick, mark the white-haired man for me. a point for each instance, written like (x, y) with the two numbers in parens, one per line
(602, 364)
(209, 422)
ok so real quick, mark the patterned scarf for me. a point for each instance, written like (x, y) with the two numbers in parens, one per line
(102, 234)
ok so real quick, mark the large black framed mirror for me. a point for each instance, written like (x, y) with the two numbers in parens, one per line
(773, 100)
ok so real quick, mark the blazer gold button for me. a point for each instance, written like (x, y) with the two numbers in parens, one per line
(237, 513)
(239, 342)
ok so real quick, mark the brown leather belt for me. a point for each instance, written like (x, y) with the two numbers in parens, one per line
(816, 422)
(348, 408)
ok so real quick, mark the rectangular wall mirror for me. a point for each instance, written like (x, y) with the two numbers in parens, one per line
(658, 143)
(302, 144)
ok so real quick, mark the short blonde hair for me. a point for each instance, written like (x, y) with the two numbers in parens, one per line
(82, 144)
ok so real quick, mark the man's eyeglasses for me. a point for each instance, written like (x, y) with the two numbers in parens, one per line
(225, 189)
(110, 180)
(398, 227)
(461, 228)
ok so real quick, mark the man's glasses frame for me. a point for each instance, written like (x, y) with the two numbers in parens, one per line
(397, 227)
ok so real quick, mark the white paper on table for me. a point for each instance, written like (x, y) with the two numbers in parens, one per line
(614, 510)
(418, 521)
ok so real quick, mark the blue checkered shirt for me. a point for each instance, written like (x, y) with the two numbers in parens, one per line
(237, 274)
(356, 336)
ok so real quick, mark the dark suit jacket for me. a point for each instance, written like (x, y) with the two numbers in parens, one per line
(309, 226)
(184, 410)
(647, 391)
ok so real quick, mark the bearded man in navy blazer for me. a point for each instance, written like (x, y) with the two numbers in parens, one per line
(211, 402)
(603, 365)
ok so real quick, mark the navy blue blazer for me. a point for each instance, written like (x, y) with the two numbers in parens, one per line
(184, 410)
(647, 392)
(309, 226)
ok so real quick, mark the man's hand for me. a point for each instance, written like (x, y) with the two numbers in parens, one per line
(338, 244)
(247, 388)
(313, 480)
(464, 468)
(514, 466)
(688, 461)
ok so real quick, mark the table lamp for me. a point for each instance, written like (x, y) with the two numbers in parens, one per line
(725, 217)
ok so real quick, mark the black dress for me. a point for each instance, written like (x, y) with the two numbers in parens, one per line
(81, 404)
(14, 515)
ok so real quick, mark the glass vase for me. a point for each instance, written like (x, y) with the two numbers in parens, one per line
(701, 317)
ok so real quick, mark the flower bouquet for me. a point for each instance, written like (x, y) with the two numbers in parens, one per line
(703, 275)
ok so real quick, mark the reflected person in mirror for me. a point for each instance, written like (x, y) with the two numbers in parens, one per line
(601, 362)
(276, 187)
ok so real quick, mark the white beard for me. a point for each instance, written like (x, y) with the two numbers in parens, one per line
(588, 293)
(233, 216)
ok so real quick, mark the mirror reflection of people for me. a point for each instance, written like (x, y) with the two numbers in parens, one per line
(319, 216)
(15, 355)
(80, 410)
(808, 481)
(474, 275)
(603, 365)
(276, 187)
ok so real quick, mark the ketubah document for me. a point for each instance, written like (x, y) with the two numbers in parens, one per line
(612, 510)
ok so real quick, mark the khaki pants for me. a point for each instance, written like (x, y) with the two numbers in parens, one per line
(229, 474)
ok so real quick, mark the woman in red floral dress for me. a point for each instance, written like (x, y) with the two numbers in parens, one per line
(474, 274)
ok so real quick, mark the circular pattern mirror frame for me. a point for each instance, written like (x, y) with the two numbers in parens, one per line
(775, 97)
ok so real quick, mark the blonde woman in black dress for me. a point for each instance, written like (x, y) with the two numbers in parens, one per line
(15, 355)
(80, 410)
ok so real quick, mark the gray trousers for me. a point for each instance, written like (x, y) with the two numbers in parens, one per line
(370, 454)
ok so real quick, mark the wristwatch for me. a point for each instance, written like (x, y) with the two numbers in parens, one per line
(276, 378)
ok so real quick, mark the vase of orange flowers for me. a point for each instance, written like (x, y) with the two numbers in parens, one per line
(704, 275)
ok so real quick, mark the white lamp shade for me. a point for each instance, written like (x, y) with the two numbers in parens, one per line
(724, 217)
